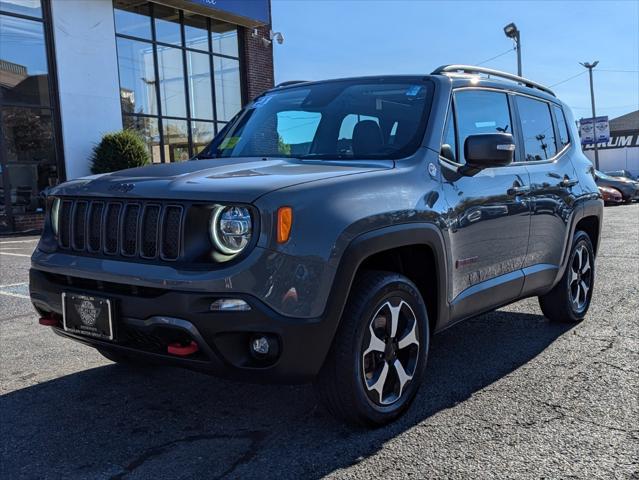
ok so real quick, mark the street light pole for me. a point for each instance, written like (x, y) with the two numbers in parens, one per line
(590, 67)
(513, 32)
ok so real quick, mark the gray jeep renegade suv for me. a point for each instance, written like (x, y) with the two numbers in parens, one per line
(327, 232)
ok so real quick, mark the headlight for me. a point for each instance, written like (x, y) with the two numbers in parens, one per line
(231, 229)
(55, 215)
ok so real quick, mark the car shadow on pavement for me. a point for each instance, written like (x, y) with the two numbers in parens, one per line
(118, 422)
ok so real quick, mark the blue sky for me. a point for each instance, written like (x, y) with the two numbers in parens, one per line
(329, 38)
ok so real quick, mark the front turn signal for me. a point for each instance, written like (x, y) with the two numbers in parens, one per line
(284, 223)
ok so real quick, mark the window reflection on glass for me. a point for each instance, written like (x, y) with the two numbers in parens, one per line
(203, 133)
(176, 140)
(132, 20)
(32, 8)
(23, 62)
(167, 25)
(224, 38)
(137, 77)
(172, 92)
(537, 129)
(29, 152)
(148, 129)
(199, 71)
(296, 130)
(196, 32)
(228, 98)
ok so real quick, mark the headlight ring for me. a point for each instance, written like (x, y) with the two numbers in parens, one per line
(231, 228)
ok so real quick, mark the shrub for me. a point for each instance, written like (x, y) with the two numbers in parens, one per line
(119, 150)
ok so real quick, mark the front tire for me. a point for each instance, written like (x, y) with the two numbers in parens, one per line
(569, 300)
(378, 356)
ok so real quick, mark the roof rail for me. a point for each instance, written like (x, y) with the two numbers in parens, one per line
(290, 82)
(495, 73)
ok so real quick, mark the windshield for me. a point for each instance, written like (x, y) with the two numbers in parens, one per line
(367, 118)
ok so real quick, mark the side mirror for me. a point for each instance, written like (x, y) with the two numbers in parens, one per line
(488, 150)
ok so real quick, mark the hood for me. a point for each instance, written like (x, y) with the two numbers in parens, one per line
(228, 179)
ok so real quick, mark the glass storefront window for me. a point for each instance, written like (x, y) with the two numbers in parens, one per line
(137, 77)
(196, 32)
(224, 39)
(176, 116)
(167, 25)
(203, 133)
(148, 129)
(29, 155)
(176, 140)
(30, 158)
(228, 97)
(199, 71)
(23, 62)
(31, 8)
(172, 93)
(132, 20)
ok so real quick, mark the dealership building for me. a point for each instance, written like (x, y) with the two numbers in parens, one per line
(73, 70)
(621, 152)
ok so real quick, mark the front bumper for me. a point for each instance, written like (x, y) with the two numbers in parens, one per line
(148, 319)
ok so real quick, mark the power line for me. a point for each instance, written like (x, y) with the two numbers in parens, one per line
(496, 56)
(568, 79)
(617, 71)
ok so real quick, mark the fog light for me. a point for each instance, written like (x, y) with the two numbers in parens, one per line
(260, 345)
(230, 305)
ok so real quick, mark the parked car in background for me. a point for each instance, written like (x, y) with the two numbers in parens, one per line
(623, 174)
(611, 196)
(629, 189)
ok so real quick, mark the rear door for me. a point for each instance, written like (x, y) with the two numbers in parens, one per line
(488, 215)
(545, 140)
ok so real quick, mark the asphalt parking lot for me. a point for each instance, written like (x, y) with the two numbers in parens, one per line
(507, 395)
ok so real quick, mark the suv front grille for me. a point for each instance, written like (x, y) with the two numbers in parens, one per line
(121, 228)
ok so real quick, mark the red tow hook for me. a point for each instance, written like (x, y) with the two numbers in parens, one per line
(182, 350)
(49, 321)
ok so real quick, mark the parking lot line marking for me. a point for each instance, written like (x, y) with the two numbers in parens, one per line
(19, 241)
(13, 285)
(11, 294)
(15, 254)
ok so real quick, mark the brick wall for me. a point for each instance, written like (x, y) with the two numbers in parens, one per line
(258, 62)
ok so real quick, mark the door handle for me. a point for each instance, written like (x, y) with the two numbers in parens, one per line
(567, 182)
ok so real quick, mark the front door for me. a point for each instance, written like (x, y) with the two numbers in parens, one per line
(489, 215)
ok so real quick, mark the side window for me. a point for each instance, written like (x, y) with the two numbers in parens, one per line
(537, 129)
(449, 144)
(296, 131)
(564, 138)
(345, 137)
(480, 111)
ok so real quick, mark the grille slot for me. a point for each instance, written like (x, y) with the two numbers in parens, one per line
(79, 225)
(64, 224)
(130, 229)
(112, 224)
(150, 230)
(171, 228)
(95, 226)
(122, 228)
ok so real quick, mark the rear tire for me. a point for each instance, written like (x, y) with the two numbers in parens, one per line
(376, 362)
(569, 300)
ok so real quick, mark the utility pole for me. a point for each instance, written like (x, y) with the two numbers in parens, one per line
(513, 32)
(590, 66)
